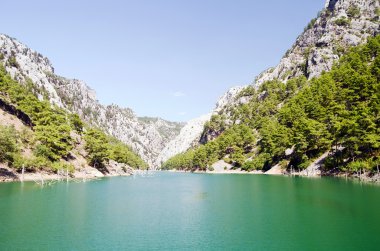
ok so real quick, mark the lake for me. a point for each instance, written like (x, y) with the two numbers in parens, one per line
(183, 211)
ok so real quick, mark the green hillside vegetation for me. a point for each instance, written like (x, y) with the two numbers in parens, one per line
(337, 112)
(50, 140)
(99, 152)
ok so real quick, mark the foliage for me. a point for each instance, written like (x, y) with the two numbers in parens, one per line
(353, 11)
(260, 162)
(337, 112)
(96, 147)
(13, 62)
(62, 166)
(342, 21)
(8, 143)
(310, 24)
(235, 141)
(76, 123)
(102, 148)
(51, 140)
(122, 153)
(216, 124)
(31, 163)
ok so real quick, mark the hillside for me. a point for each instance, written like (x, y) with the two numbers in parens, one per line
(329, 124)
(146, 136)
(312, 113)
(40, 139)
(341, 25)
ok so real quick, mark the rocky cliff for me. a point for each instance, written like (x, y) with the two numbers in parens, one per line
(191, 133)
(188, 137)
(340, 25)
(147, 136)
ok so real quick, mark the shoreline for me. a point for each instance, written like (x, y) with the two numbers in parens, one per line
(374, 179)
(9, 175)
(88, 175)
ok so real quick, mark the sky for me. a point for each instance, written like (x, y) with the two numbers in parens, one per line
(162, 58)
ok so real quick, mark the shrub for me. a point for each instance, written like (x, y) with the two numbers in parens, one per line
(260, 162)
(62, 166)
(310, 24)
(76, 123)
(305, 162)
(358, 165)
(30, 163)
(353, 12)
(284, 164)
(248, 165)
(97, 148)
(8, 143)
(13, 62)
(329, 163)
(343, 21)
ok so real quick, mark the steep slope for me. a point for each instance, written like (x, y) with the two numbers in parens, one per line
(146, 136)
(329, 124)
(40, 139)
(340, 25)
(189, 136)
(192, 133)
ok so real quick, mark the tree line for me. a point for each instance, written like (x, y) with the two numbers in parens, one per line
(338, 112)
(50, 140)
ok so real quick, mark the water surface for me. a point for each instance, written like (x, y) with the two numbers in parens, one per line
(171, 211)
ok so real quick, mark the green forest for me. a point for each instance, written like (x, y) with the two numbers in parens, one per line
(52, 134)
(338, 112)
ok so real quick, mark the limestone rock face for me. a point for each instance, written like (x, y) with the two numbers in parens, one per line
(340, 25)
(325, 38)
(188, 137)
(191, 133)
(228, 98)
(146, 136)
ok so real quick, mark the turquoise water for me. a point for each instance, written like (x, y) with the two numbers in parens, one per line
(174, 211)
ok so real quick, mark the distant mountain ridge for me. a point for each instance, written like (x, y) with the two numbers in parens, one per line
(146, 136)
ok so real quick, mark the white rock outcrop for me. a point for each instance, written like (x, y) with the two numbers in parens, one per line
(189, 136)
(146, 136)
(316, 49)
(227, 99)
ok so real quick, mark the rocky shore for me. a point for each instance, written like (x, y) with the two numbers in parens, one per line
(112, 169)
(363, 177)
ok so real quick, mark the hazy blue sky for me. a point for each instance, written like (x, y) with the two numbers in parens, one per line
(167, 58)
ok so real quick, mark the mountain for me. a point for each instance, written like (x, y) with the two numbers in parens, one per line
(339, 26)
(317, 111)
(189, 136)
(329, 125)
(146, 136)
(43, 141)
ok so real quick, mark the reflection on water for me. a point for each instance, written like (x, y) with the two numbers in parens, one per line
(170, 211)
